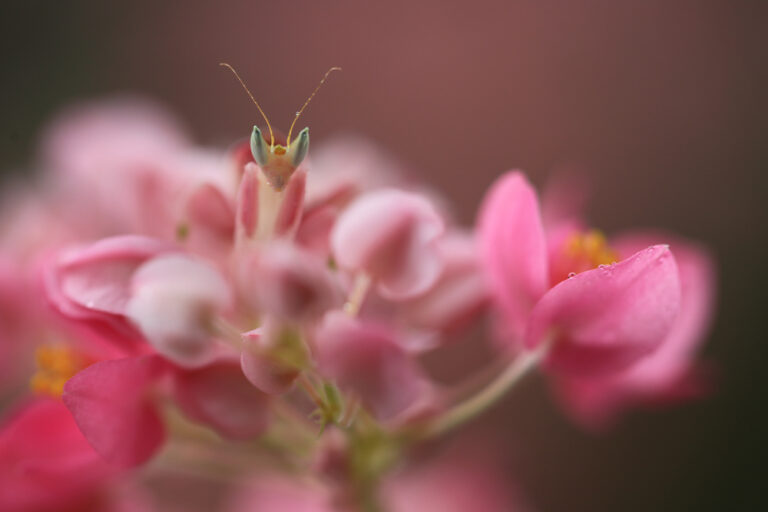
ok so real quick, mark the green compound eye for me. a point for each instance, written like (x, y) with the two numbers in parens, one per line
(258, 147)
(298, 148)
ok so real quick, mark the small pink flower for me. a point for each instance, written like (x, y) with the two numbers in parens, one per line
(366, 359)
(91, 285)
(598, 319)
(391, 236)
(174, 300)
(667, 374)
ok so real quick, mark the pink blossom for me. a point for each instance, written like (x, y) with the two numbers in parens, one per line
(598, 320)
(391, 236)
(174, 301)
(91, 285)
(667, 374)
(366, 359)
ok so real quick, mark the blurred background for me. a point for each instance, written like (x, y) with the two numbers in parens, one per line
(661, 104)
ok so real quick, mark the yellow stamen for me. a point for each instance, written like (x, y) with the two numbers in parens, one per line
(590, 248)
(56, 364)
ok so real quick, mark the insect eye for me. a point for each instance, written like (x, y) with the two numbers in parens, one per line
(299, 147)
(259, 147)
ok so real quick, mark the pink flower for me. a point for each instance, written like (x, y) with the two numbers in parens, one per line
(391, 236)
(174, 302)
(598, 319)
(667, 374)
(366, 359)
(91, 285)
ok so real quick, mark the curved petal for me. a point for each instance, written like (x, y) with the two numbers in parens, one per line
(604, 319)
(390, 234)
(367, 360)
(174, 299)
(111, 404)
(513, 248)
(45, 462)
(220, 396)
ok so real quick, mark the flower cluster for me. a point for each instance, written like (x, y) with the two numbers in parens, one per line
(257, 318)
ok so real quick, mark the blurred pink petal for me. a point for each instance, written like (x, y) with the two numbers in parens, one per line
(459, 481)
(219, 396)
(174, 301)
(513, 248)
(91, 285)
(283, 281)
(604, 319)
(45, 462)
(390, 235)
(366, 359)
(261, 361)
(112, 404)
(459, 294)
(267, 493)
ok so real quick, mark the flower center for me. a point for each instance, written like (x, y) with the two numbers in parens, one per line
(56, 364)
(582, 251)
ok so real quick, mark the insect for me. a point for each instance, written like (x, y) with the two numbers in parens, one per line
(277, 161)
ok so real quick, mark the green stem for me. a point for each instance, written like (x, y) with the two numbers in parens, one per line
(488, 396)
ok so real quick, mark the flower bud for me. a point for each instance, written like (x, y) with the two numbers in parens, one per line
(390, 235)
(173, 302)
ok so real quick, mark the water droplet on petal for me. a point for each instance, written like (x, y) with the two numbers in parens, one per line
(571, 274)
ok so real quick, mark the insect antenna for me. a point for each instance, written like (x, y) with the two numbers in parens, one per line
(269, 126)
(296, 118)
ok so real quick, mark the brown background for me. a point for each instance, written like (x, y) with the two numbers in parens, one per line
(662, 103)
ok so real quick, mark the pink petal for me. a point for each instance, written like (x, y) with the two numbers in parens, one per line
(284, 281)
(262, 369)
(513, 248)
(460, 292)
(605, 319)
(209, 208)
(45, 462)
(112, 405)
(220, 396)
(247, 216)
(367, 360)
(390, 235)
(269, 493)
(293, 201)
(174, 300)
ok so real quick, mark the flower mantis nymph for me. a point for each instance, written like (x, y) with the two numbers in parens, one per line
(277, 161)
(271, 195)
